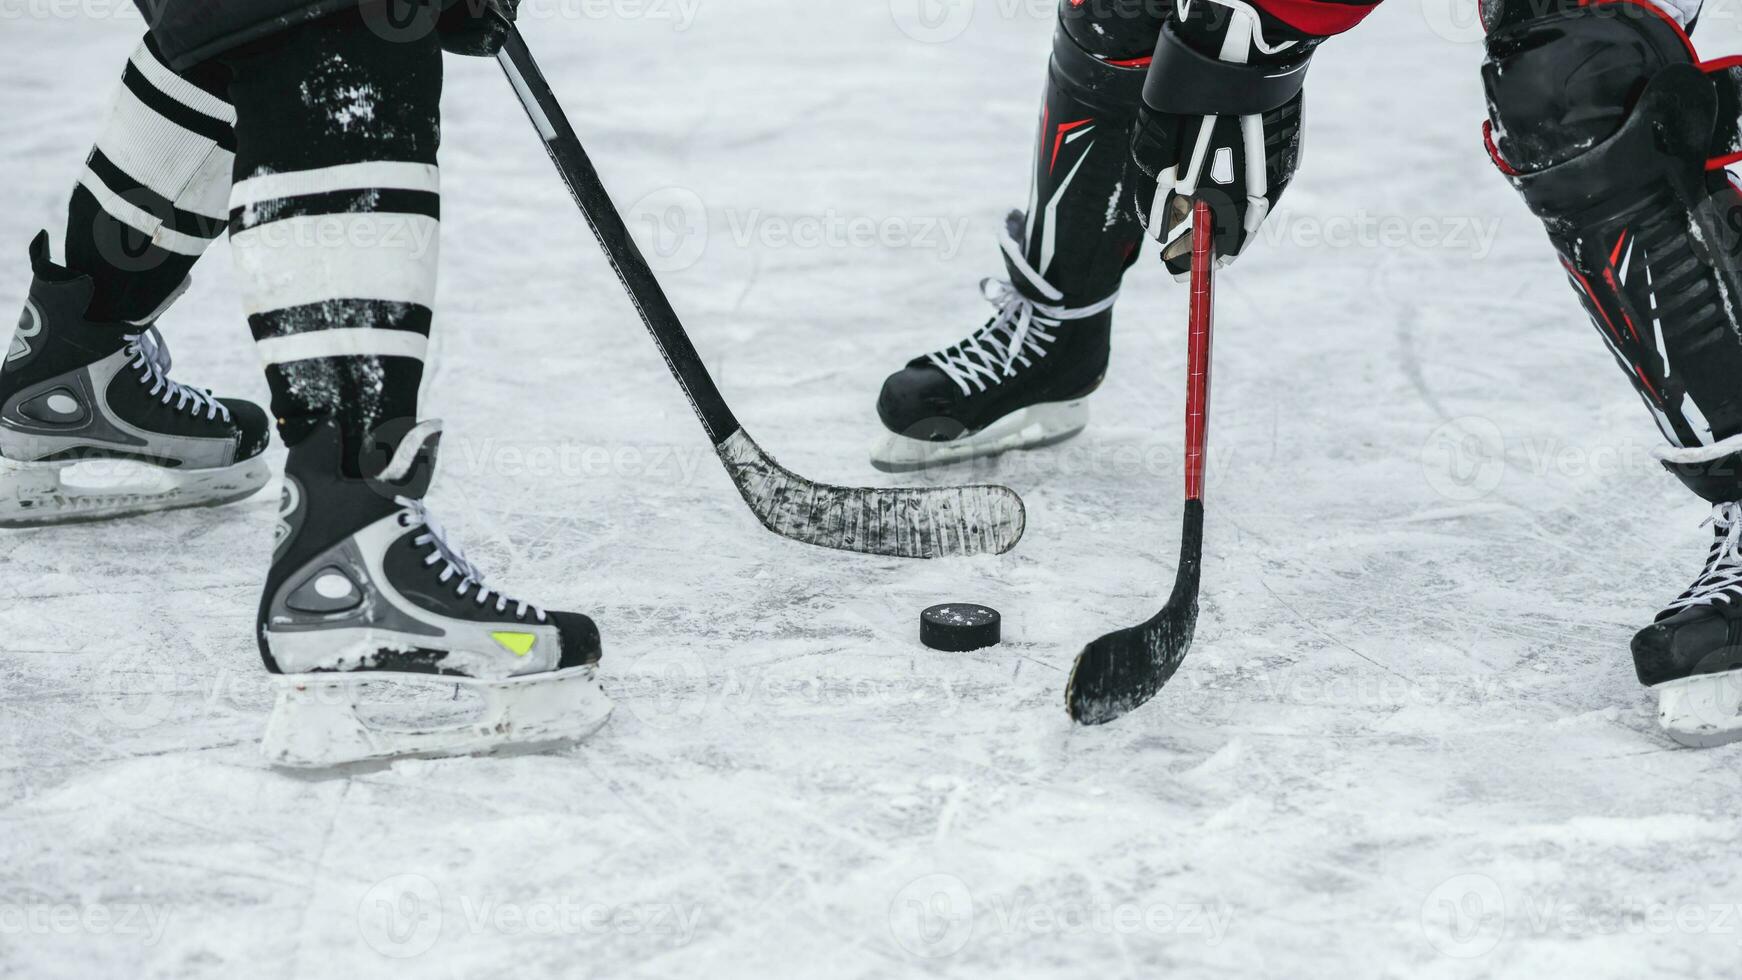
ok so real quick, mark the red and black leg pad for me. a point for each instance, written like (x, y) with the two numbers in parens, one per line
(1080, 231)
(1603, 119)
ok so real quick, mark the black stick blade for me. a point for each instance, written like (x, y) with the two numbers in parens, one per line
(916, 522)
(1121, 671)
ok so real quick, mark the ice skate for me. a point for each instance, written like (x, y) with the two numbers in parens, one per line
(1019, 382)
(367, 602)
(1692, 655)
(92, 427)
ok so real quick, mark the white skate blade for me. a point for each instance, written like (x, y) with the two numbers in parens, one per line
(1029, 428)
(317, 719)
(37, 494)
(1703, 710)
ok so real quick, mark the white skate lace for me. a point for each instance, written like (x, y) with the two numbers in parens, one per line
(151, 357)
(1722, 579)
(456, 563)
(1021, 327)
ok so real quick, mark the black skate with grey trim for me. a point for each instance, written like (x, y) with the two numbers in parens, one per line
(1019, 382)
(368, 599)
(1692, 655)
(98, 397)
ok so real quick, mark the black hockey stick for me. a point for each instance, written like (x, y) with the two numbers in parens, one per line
(905, 523)
(1122, 670)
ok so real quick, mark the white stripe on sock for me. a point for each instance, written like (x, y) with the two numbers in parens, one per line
(141, 220)
(180, 89)
(322, 257)
(343, 342)
(345, 177)
(178, 165)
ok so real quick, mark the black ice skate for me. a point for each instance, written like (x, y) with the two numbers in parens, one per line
(1018, 383)
(74, 392)
(1692, 655)
(366, 596)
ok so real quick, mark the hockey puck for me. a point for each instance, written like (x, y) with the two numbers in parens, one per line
(960, 626)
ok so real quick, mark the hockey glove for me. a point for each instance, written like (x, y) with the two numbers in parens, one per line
(477, 28)
(1220, 122)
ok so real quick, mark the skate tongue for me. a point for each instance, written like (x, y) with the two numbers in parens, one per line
(412, 466)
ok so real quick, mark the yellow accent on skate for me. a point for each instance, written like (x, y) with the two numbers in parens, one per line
(519, 644)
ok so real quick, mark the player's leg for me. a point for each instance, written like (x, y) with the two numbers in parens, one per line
(1019, 381)
(86, 374)
(1616, 137)
(334, 226)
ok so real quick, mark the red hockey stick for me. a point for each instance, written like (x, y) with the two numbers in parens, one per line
(1122, 670)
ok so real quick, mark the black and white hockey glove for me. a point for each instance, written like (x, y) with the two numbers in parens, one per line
(477, 28)
(1221, 122)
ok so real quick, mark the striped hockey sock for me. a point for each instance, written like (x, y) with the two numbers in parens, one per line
(154, 189)
(334, 223)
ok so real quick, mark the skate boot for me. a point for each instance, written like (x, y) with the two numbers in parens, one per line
(367, 602)
(1692, 655)
(1019, 382)
(97, 396)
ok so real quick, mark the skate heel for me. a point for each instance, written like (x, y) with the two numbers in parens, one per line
(31, 493)
(1702, 710)
(322, 719)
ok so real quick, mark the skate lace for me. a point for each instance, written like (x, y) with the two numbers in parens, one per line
(1722, 579)
(454, 561)
(151, 357)
(1021, 327)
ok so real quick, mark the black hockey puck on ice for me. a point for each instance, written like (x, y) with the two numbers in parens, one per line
(960, 626)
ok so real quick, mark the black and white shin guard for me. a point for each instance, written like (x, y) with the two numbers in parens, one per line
(1080, 231)
(1617, 137)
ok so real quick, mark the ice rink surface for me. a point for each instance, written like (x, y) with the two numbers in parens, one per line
(1408, 743)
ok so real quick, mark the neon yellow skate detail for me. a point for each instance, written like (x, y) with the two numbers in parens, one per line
(519, 644)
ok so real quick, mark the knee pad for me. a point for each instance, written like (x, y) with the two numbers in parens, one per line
(1102, 49)
(1563, 80)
